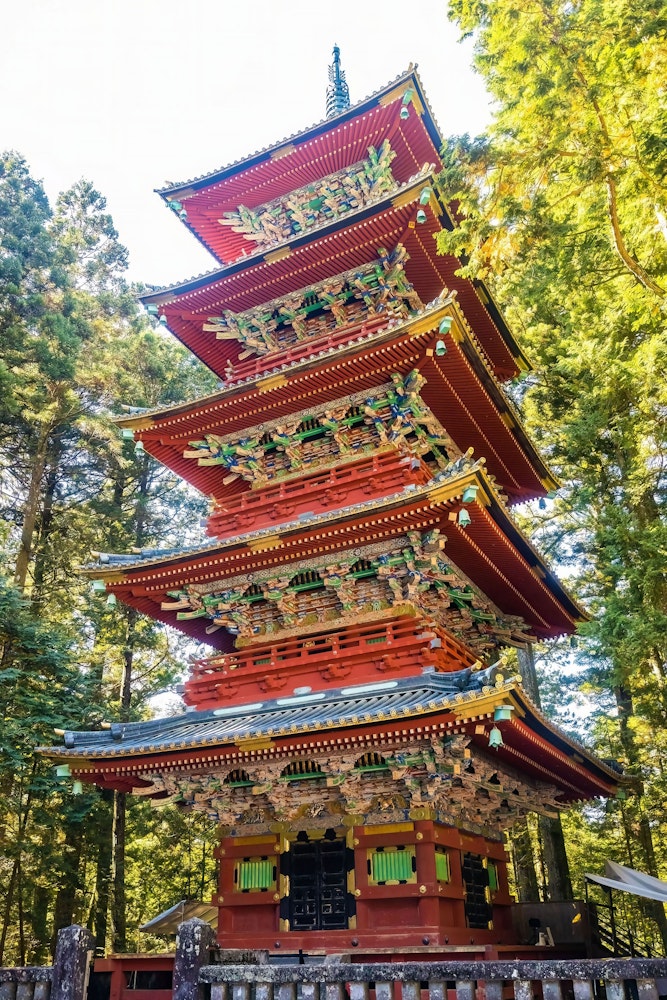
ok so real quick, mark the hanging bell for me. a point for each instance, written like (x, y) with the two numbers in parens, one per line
(404, 114)
(421, 216)
(464, 518)
(112, 600)
(183, 214)
(77, 788)
(495, 738)
(139, 447)
(440, 349)
(163, 319)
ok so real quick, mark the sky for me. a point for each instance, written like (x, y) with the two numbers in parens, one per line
(132, 93)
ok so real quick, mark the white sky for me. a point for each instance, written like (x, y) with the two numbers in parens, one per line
(132, 93)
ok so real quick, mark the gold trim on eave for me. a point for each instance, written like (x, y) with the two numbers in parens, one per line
(428, 323)
(250, 743)
(398, 92)
(404, 198)
(449, 491)
(277, 154)
(266, 543)
(279, 254)
(274, 382)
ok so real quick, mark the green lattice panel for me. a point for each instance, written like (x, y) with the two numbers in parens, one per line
(392, 866)
(255, 875)
(442, 871)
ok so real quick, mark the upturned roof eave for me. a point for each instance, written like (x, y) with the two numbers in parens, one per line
(435, 491)
(553, 733)
(456, 483)
(312, 131)
(169, 293)
(163, 738)
(151, 418)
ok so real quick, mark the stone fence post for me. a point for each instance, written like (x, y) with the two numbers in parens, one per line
(194, 940)
(71, 963)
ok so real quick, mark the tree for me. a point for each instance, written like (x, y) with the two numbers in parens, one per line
(561, 205)
(74, 347)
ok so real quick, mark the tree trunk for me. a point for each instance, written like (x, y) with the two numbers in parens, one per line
(120, 801)
(655, 908)
(30, 512)
(625, 705)
(65, 904)
(118, 920)
(41, 898)
(20, 909)
(103, 872)
(45, 524)
(528, 673)
(16, 868)
(558, 884)
(523, 863)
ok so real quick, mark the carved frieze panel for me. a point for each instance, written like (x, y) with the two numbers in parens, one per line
(318, 203)
(451, 781)
(347, 299)
(392, 415)
(408, 575)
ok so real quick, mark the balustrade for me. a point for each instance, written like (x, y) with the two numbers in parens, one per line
(579, 979)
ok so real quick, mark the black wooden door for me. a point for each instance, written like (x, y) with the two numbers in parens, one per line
(318, 885)
(478, 910)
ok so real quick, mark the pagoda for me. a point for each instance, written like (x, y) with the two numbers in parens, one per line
(354, 730)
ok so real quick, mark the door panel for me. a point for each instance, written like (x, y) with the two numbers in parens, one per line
(318, 885)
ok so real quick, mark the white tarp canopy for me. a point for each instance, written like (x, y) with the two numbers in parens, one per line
(628, 880)
(167, 922)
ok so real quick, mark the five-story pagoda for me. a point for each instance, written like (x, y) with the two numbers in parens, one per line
(354, 732)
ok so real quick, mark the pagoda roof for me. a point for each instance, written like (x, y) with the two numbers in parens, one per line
(125, 754)
(326, 251)
(491, 551)
(461, 390)
(318, 151)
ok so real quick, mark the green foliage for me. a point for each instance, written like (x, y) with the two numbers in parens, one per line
(562, 207)
(74, 348)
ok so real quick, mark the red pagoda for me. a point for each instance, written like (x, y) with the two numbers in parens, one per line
(353, 731)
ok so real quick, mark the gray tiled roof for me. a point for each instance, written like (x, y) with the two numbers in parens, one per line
(405, 695)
